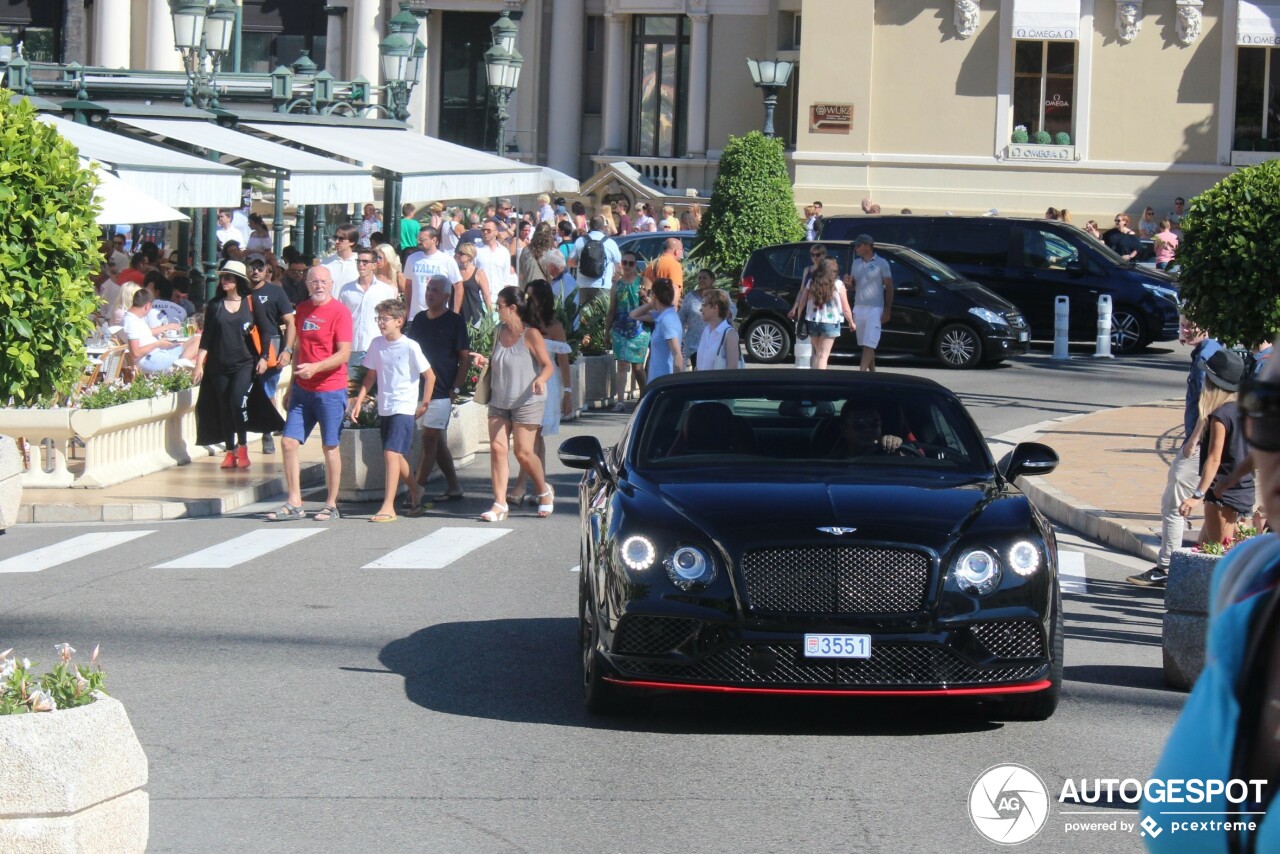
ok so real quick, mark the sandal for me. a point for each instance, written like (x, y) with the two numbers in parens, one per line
(546, 503)
(384, 517)
(286, 513)
(450, 496)
(324, 514)
(496, 513)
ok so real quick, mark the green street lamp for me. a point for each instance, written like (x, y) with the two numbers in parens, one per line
(502, 64)
(769, 76)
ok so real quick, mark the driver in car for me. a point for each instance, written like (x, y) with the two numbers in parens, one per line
(860, 433)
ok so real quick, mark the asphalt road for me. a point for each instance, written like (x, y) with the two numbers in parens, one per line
(340, 694)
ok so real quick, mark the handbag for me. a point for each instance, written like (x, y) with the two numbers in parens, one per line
(802, 329)
(484, 387)
(270, 353)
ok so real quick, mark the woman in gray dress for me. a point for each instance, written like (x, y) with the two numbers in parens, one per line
(518, 372)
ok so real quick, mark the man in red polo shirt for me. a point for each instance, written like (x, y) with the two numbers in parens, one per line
(319, 392)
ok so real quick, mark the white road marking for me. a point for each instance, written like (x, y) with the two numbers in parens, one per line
(1071, 574)
(240, 549)
(69, 550)
(576, 569)
(438, 549)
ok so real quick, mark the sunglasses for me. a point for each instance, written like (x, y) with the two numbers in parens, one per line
(627, 263)
(257, 265)
(1260, 404)
(365, 261)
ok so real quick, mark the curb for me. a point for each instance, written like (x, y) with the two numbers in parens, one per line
(1093, 522)
(152, 511)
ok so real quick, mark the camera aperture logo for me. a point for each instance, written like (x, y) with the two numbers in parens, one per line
(1008, 804)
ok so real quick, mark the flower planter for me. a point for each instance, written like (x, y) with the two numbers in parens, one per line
(364, 471)
(10, 482)
(597, 385)
(1186, 620)
(72, 780)
(120, 442)
(578, 381)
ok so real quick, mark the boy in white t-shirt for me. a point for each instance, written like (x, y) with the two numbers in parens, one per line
(400, 368)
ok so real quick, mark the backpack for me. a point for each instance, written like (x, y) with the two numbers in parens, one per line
(591, 261)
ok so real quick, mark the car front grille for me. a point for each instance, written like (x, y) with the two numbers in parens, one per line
(645, 635)
(782, 665)
(1010, 638)
(836, 580)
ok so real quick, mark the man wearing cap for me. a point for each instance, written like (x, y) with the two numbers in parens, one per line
(873, 296)
(361, 298)
(280, 320)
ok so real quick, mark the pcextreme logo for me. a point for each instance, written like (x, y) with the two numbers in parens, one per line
(1008, 804)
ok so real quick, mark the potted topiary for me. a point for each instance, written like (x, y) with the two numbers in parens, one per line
(1062, 138)
(596, 387)
(72, 768)
(1020, 135)
(1041, 137)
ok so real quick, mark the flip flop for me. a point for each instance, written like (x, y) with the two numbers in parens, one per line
(384, 517)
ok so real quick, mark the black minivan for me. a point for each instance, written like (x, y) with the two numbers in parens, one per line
(1029, 262)
(935, 311)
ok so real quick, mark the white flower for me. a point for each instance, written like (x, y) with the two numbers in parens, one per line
(26, 664)
(41, 702)
(94, 658)
(6, 670)
(65, 651)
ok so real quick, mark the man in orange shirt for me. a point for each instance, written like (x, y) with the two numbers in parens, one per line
(668, 266)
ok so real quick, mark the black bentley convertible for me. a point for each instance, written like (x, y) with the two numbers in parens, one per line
(814, 532)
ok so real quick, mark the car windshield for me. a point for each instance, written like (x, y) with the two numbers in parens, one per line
(882, 430)
(931, 267)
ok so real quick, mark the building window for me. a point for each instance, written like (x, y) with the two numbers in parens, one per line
(659, 83)
(274, 34)
(1257, 126)
(1044, 82)
(36, 25)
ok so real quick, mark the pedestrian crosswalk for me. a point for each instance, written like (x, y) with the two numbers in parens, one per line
(438, 549)
(238, 550)
(68, 550)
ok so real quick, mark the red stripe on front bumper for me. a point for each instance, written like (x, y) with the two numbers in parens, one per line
(1025, 688)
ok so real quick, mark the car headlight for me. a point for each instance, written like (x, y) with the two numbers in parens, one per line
(638, 552)
(690, 568)
(989, 316)
(1164, 293)
(1024, 558)
(978, 571)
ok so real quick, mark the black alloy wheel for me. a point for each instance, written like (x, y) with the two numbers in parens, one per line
(600, 697)
(958, 346)
(1042, 704)
(768, 341)
(1127, 334)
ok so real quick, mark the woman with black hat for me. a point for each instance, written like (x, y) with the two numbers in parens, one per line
(1222, 447)
(228, 361)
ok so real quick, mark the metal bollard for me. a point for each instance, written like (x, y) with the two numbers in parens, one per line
(803, 351)
(1103, 349)
(1061, 323)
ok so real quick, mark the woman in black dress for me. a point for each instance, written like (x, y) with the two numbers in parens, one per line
(227, 364)
(475, 286)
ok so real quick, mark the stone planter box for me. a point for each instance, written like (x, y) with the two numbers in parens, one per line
(598, 380)
(11, 472)
(120, 442)
(578, 380)
(364, 471)
(72, 780)
(1186, 619)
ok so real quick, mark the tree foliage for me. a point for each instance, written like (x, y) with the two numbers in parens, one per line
(751, 204)
(1230, 242)
(48, 255)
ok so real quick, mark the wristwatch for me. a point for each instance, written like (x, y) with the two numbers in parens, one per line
(1198, 495)
(457, 391)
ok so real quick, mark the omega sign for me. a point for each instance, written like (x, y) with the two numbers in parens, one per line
(1260, 39)
(1040, 152)
(1062, 33)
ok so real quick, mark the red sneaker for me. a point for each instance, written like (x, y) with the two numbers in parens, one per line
(242, 457)
(229, 461)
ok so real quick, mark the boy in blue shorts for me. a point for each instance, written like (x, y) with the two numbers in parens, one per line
(396, 362)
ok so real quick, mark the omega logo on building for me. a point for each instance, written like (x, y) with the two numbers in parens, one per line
(1040, 152)
(1259, 39)
(1034, 33)
(1057, 101)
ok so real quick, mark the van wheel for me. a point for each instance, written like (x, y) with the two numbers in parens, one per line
(768, 341)
(958, 346)
(1126, 331)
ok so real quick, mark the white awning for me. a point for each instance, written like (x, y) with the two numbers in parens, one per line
(1258, 24)
(431, 168)
(122, 204)
(311, 179)
(172, 177)
(1047, 20)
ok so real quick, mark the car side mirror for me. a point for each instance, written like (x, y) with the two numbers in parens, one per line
(1075, 269)
(1027, 459)
(583, 452)
(910, 289)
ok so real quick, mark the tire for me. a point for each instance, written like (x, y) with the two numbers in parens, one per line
(1127, 332)
(768, 341)
(1041, 705)
(958, 345)
(599, 696)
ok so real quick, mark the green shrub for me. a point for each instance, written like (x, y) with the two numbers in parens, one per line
(1020, 136)
(144, 387)
(48, 254)
(1062, 138)
(1229, 280)
(481, 342)
(752, 204)
(66, 686)
(1042, 137)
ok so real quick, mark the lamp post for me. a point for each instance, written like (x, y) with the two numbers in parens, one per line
(770, 75)
(502, 67)
(403, 55)
(202, 33)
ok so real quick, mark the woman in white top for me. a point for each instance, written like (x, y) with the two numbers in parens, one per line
(718, 348)
(1147, 226)
(388, 267)
(644, 222)
(824, 304)
(259, 237)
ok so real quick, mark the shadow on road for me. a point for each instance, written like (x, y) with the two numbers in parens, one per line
(527, 671)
